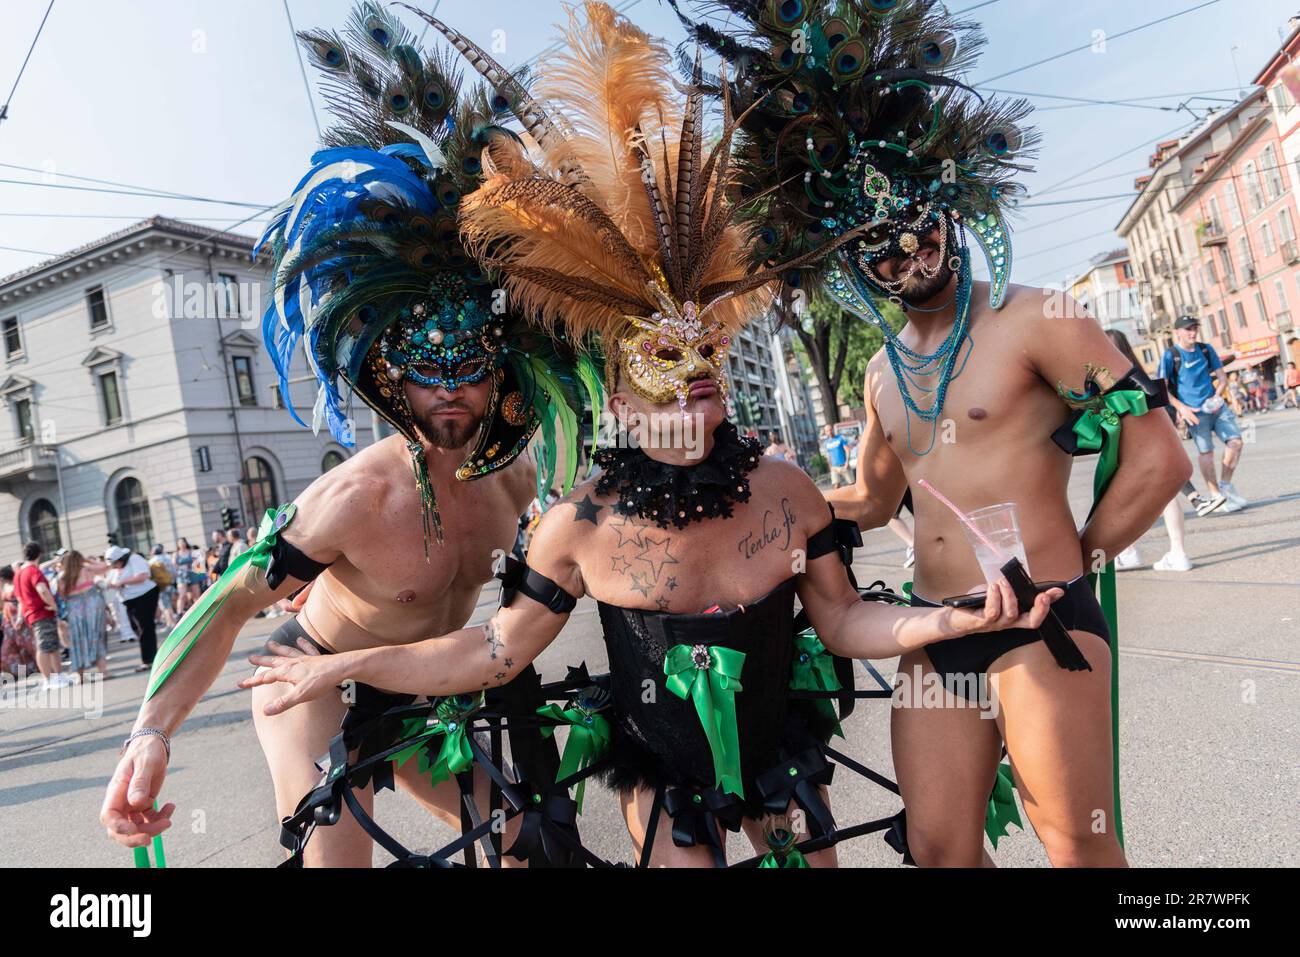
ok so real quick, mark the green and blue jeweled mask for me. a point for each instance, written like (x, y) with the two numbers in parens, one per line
(447, 343)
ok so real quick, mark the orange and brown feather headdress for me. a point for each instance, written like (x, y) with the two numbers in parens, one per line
(625, 220)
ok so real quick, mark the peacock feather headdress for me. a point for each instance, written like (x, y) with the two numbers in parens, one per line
(622, 227)
(857, 118)
(371, 276)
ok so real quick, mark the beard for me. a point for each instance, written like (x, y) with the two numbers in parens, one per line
(918, 287)
(447, 433)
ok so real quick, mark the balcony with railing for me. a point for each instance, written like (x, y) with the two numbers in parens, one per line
(26, 462)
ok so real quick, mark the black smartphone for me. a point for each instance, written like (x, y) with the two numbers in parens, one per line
(976, 599)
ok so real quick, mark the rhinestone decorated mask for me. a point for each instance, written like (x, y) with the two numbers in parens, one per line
(661, 356)
(448, 345)
(902, 223)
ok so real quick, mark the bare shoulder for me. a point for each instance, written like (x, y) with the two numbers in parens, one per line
(563, 529)
(777, 480)
(331, 511)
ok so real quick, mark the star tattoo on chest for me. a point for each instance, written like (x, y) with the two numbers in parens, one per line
(640, 584)
(587, 510)
(656, 553)
(627, 531)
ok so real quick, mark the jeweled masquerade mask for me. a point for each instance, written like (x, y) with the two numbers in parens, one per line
(661, 356)
(446, 344)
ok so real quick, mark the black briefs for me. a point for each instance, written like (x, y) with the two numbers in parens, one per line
(964, 661)
(288, 634)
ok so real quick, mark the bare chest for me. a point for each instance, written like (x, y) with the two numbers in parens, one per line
(992, 400)
(388, 570)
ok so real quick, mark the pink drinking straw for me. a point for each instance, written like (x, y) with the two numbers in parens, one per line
(962, 515)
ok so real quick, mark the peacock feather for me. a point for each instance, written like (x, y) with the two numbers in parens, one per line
(834, 92)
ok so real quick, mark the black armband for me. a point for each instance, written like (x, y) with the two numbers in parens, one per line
(288, 562)
(518, 579)
(1134, 380)
(840, 534)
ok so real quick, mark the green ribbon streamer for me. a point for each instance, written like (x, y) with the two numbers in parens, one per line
(1002, 810)
(1099, 428)
(191, 627)
(588, 740)
(814, 670)
(792, 859)
(713, 691)
(454, 754)
(141, 854)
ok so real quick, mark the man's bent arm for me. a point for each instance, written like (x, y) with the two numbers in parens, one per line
(873, 499)
(319, 531)
(1152, 464)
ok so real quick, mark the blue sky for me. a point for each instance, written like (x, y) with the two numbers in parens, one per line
(204, 97)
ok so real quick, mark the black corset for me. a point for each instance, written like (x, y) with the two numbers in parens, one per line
(660, 742)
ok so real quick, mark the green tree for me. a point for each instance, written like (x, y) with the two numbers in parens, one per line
(837, 344)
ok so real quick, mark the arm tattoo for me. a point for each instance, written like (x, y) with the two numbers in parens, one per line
(492, 635)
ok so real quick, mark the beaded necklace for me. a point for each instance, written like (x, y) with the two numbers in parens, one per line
(911, 366)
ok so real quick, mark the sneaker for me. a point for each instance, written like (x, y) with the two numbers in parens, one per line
(1173, 563)
(910, 559)
(1231, 506)
(1197, 500)
(1210, 503)
(1229, 490)
(1129, 558)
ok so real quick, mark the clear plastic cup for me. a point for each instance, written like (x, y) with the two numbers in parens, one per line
(1000, 525)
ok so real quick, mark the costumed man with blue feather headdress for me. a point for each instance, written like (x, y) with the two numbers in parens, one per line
(395, 544)
(859, 121)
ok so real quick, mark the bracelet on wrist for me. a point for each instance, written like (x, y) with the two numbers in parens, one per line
(150, 732)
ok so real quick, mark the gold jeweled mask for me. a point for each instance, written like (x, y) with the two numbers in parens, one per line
(661, 356)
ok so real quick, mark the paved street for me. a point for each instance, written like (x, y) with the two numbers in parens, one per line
(1210, 715)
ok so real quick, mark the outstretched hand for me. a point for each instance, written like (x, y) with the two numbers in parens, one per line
(128, 813)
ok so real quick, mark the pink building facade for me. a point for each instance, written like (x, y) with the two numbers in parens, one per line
(1241, 208)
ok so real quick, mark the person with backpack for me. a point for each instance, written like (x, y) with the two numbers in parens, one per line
(1194, 373)
(162, 570)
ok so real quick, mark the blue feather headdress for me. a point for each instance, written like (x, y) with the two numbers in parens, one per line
(370, 276)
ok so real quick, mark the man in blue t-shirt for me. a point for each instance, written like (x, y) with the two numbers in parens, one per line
(837, 455)
(1193, 371)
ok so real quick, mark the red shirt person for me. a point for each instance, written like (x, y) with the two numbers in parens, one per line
(40, 611)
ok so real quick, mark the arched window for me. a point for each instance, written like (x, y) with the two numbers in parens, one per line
(260, 482)
(134, 526)
(43, 524)
(331, 459)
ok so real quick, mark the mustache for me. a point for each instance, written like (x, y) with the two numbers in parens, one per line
(445, 406)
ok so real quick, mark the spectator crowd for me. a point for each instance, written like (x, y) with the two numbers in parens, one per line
(58, 611)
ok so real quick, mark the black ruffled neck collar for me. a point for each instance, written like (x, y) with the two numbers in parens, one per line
(680, 494)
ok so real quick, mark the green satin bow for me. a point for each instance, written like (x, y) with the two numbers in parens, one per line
(190, 628)
(454, 755)
(1002, 809)
(711, 682)
(1098, 429)
(814, 670)
(588, 740)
